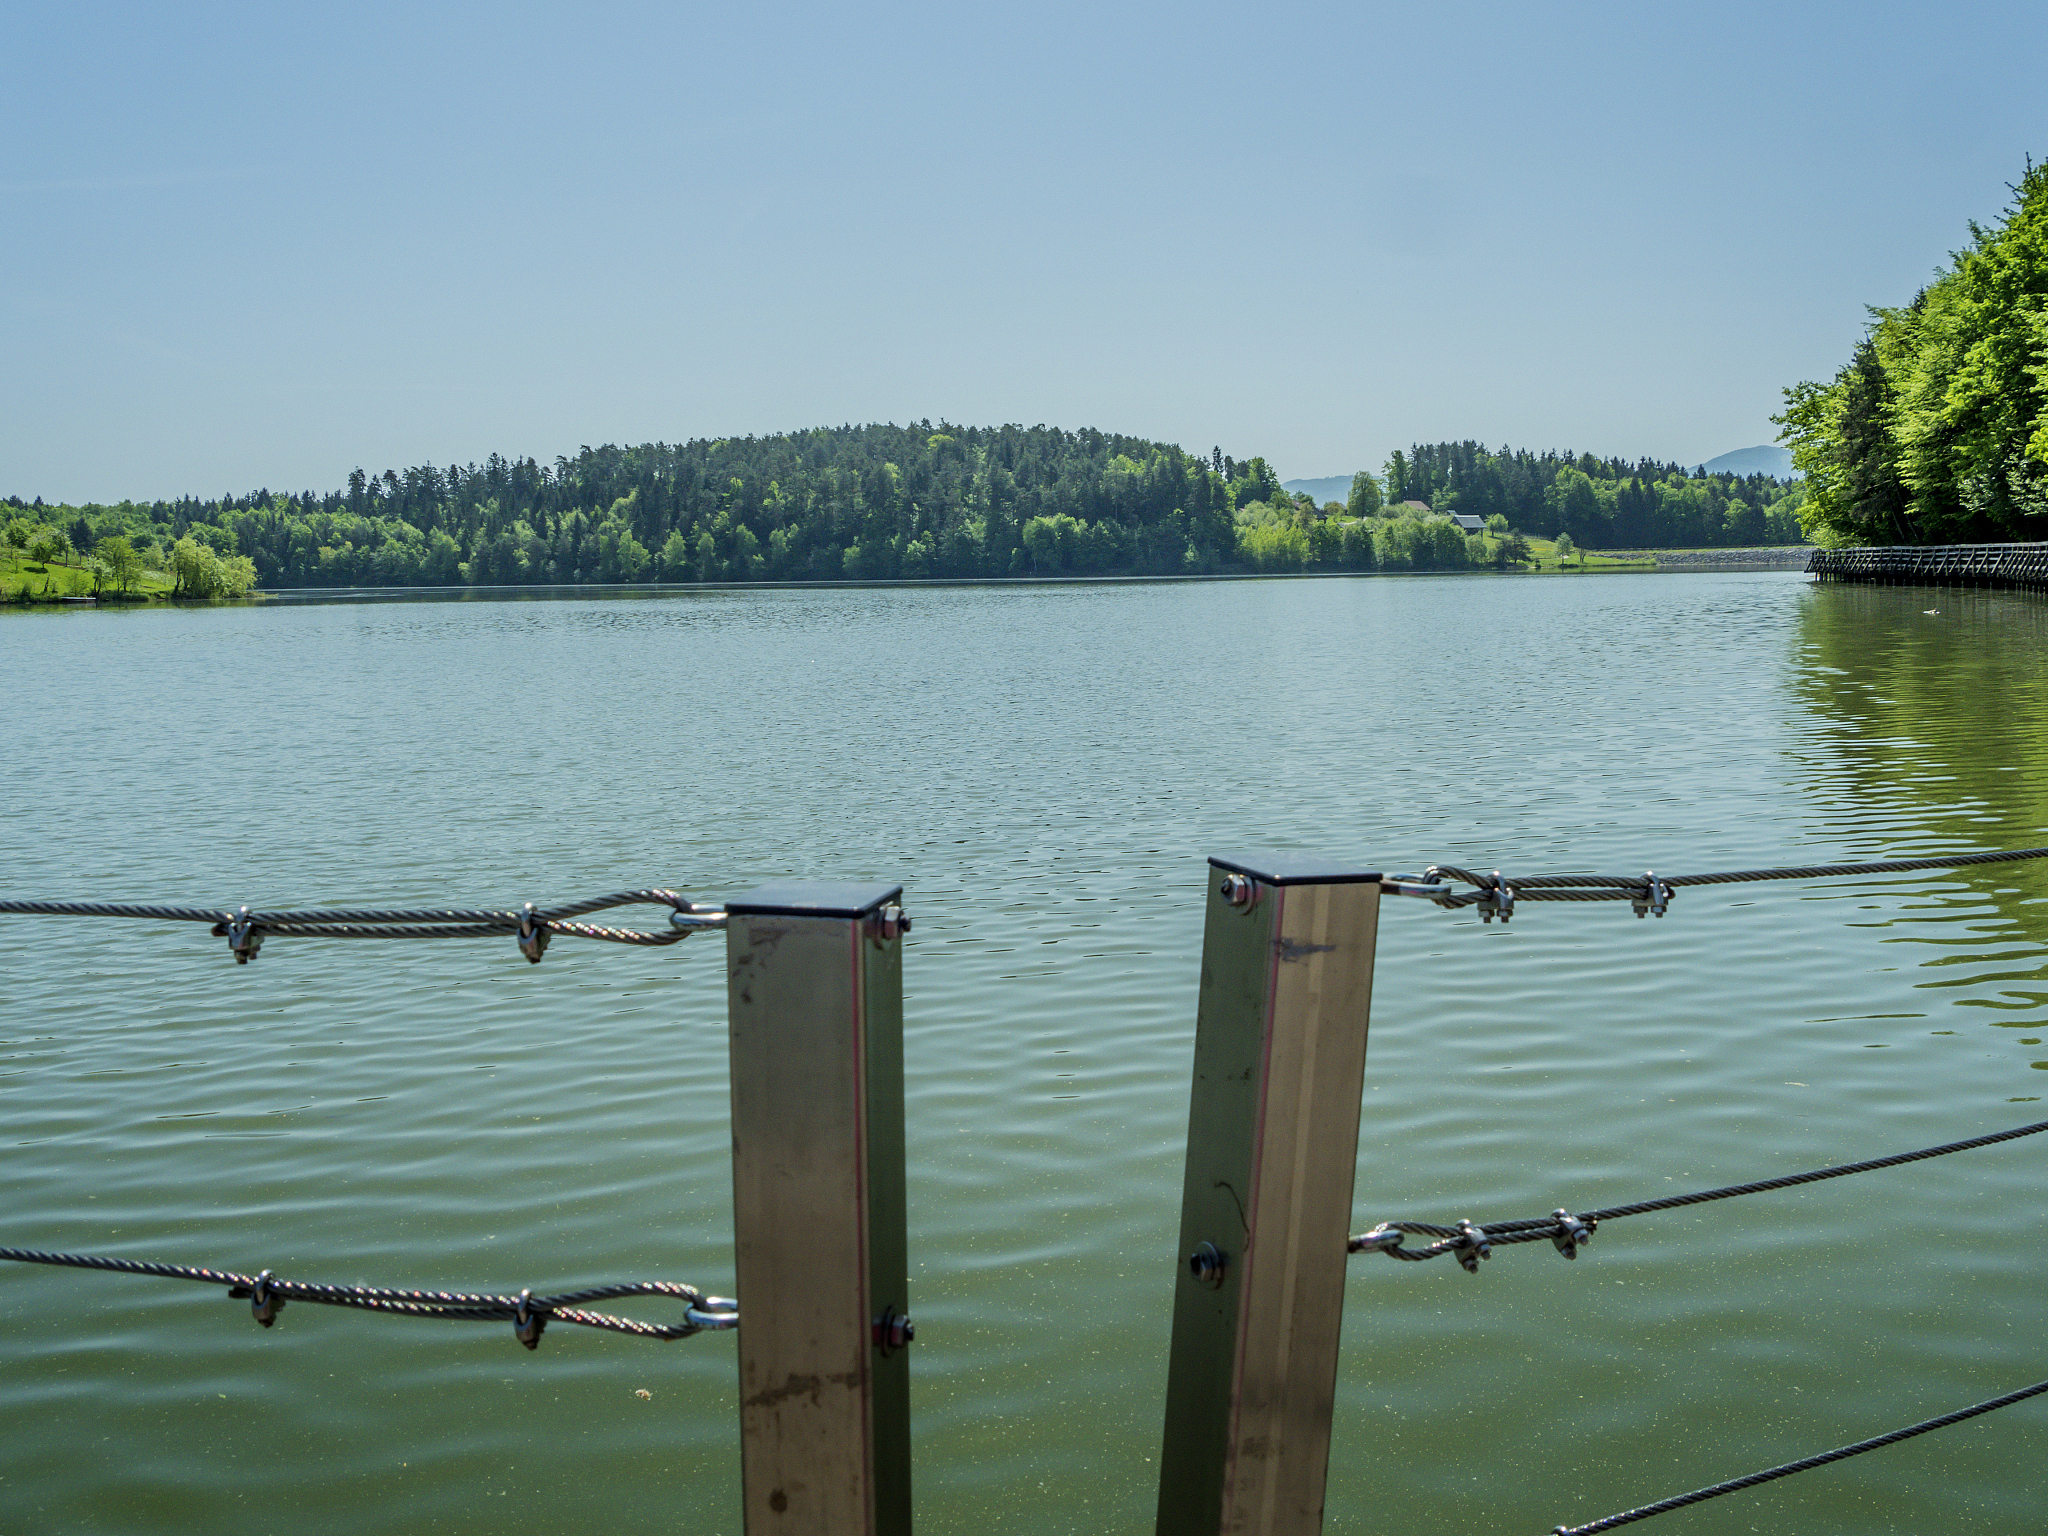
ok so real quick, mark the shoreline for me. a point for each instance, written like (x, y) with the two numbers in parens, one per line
(1785, 558)
(661, 588)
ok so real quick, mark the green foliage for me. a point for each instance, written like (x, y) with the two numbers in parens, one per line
(1419, 544)
(1935, 430)
(1573, 502)
(1256, 480)
(1365, 499)
(1274, 545)
(119, 566)
(674, 559)
(46, 544)
(885, 503)
(197, 571)
(878, 502)
(1601, 503)
(1397, 477)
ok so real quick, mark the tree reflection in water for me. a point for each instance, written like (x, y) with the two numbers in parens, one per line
(1927, 733)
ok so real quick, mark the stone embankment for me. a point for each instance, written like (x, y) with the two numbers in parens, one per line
(1777, 557)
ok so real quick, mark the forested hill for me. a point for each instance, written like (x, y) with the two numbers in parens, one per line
(826, 504)
(889, 502)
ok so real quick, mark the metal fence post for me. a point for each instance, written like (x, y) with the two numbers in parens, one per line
(1287, 955)
(815, 994)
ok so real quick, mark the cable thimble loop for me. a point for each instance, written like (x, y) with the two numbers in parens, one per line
(529, 1321)
(533, 943)
(1571, 1235)
(1381, 1239)
(714, 1314)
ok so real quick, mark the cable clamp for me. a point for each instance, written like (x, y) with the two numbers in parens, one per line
(1571, 1235)
(533, 943)
(1655, 897)
(264, 1302)
(529, 1321)
(1471, 1245)
(1499, 898)
(243, 936)
(1380, 1239)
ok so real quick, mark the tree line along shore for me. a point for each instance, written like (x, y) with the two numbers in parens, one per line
(887, 502)
(1934, 431)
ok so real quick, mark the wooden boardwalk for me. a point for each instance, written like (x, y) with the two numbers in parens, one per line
(1937, 565)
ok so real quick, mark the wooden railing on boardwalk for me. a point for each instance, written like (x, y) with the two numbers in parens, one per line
(1945, 565)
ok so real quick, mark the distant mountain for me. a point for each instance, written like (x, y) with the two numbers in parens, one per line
(1764, 459)
(1328, 488)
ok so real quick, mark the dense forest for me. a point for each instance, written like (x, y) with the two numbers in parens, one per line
(1935, 431)
(1601, 503)
(893, 502)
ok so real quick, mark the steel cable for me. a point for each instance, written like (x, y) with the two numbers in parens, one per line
(1736, 1484)
(1496, 892)
(529, 1314)
(1569, 1232)
(245, 928)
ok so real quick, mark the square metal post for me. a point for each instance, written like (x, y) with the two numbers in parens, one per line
(815, 993)
(1287, 954)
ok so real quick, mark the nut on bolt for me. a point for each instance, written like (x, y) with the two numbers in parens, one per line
(1207, 1265)
(1241, 891)
(893, 1331)
(890, 922)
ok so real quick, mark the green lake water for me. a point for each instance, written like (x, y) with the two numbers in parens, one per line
(1044, 769)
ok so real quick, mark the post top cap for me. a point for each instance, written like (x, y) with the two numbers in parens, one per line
(1294, 869)
(816, 898)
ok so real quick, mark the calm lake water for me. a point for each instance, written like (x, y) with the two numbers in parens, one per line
(1044, 769)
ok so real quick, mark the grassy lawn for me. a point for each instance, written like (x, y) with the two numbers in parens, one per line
(61, 580)
(1545, 551)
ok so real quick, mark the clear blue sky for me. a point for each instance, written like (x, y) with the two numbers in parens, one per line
(261, 244)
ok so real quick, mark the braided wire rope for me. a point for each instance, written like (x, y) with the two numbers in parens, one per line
(1804, 1464)
(1471, 1242)
(1650, 891)
(528, 1313)
(498, 919)
(246, 928)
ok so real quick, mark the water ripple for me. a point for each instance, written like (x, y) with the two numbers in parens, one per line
(1044, 768)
